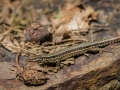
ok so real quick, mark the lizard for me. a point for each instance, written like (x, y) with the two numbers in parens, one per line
(61, 55)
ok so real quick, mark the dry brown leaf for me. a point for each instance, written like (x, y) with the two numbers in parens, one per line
(8, 44)
(75, 19)
(22, 44)
(1, 36)
(16, 43)
(60, 34)
(32, 77)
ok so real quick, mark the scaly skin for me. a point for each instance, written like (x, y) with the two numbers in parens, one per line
(59, 56)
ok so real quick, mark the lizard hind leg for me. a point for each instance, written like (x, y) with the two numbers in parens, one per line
(97, 49)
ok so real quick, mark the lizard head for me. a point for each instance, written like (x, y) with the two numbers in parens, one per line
(35, 58)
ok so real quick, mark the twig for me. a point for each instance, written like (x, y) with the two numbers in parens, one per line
(17, 62)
